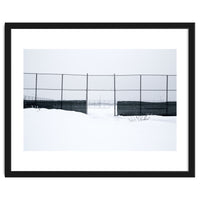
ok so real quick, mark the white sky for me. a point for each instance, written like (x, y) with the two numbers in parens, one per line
(100, 61)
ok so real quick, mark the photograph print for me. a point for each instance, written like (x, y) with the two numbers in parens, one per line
(97, 99)
(101, 100)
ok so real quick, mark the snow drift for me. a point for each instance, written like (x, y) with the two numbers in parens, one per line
(53, 130)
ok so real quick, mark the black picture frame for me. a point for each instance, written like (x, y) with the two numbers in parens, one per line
(191, 99)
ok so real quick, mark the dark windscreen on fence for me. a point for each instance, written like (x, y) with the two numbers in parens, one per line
(55, 91)
(146, 95)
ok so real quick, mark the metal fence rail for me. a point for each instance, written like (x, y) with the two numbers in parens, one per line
(86, 83)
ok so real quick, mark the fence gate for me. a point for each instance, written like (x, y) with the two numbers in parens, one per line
(101, 94)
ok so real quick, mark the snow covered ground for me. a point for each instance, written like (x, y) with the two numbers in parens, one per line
(53, 130)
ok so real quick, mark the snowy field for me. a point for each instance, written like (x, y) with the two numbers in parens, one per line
(52, 130)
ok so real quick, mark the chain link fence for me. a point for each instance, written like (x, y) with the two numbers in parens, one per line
(132, 94)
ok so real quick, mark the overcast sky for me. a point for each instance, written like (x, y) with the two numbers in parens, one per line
(100, 61)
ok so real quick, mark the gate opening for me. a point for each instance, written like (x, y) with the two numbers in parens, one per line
(101, 95)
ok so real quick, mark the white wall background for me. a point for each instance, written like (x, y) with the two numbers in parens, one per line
(99, 188)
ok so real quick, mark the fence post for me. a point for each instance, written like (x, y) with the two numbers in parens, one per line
(114, 96)
(61, 91)
(87, 93)
(166, 94)
(36, 80)
(140, 94)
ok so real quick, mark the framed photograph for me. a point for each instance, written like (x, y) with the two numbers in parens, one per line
(99, 99)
